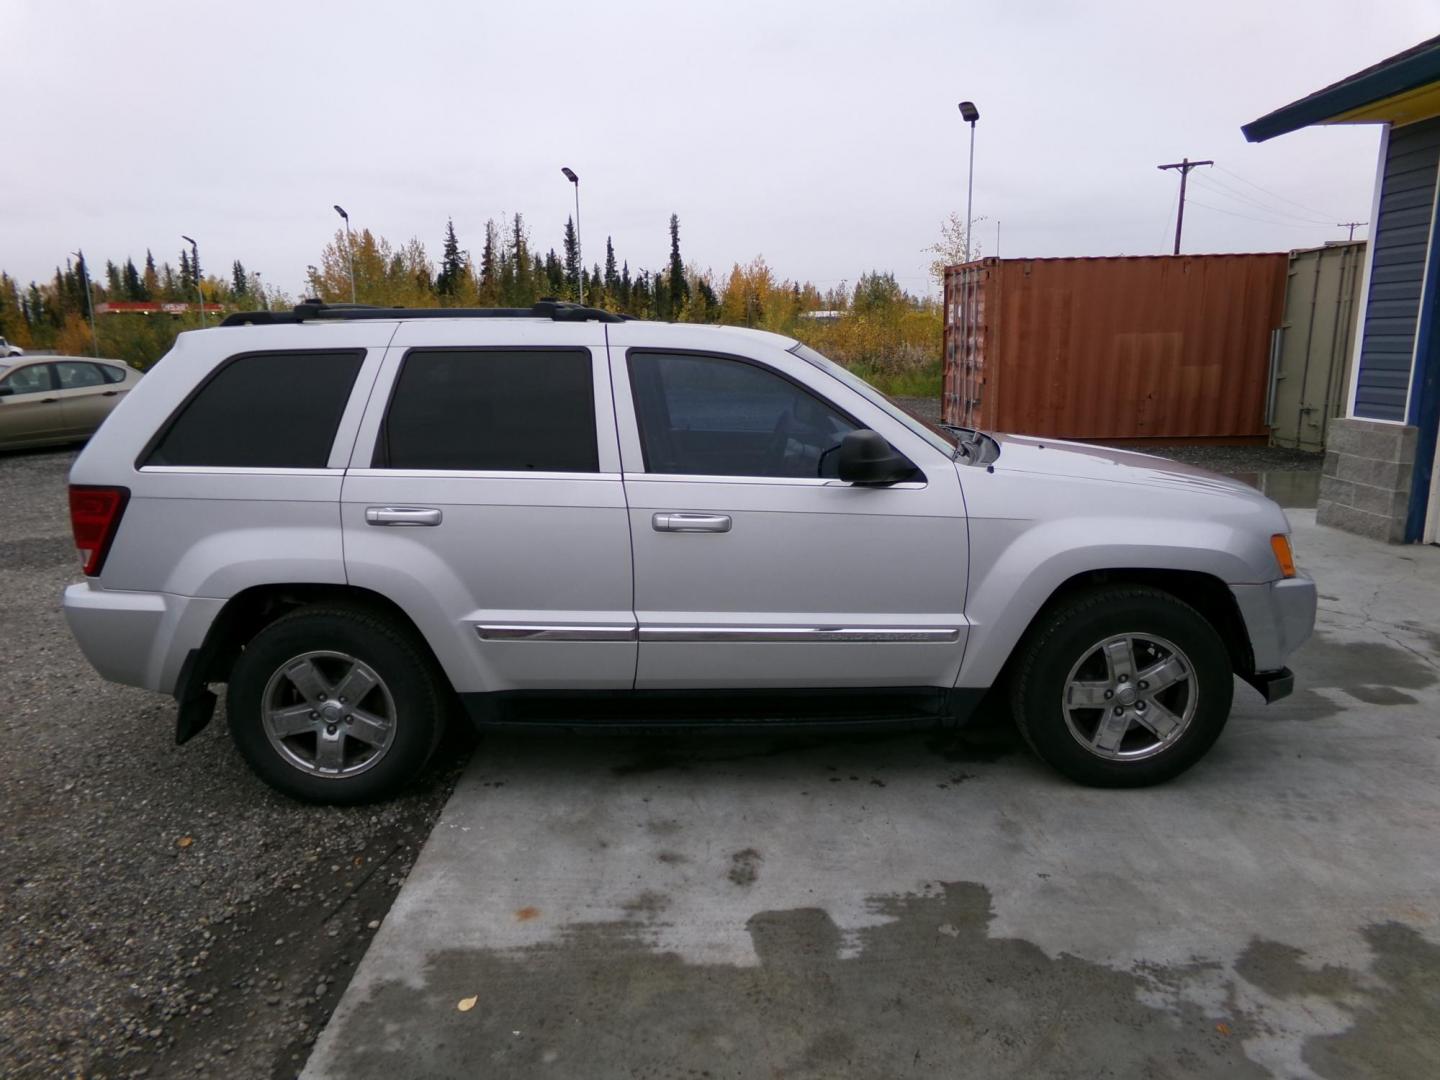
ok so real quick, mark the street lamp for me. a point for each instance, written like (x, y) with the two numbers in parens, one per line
(195, 269)
(350, 247)
(579, 260)
(89, 302)
(969, 114)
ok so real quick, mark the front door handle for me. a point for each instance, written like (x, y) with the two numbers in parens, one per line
(402, 515)
(678, 522)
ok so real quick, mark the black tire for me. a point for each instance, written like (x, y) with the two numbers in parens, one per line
(408, 690)
(1071, 634)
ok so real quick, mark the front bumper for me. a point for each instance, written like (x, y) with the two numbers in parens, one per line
(1279, 618)
(137, 638)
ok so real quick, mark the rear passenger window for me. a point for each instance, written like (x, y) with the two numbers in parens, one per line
(263, 410)
(490, 410)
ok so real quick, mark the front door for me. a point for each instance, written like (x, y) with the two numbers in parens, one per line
(755, 566)
(485, 498)
(31, 411)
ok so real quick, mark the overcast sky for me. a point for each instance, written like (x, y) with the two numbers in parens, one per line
(824, 136)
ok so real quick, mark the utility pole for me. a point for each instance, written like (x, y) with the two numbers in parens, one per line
(1352, 226)
(1184, 165)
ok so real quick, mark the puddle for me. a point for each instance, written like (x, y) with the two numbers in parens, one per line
(1295, 489)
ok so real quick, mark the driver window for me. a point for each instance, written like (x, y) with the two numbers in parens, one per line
(29, 380)
(717, 416)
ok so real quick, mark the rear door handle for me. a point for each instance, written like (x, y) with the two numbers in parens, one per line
(48, 400)
(402, 515)
(110, 393)
(678, 522)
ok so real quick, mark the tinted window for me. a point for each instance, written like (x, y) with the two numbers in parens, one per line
(490, 410)
(112, 374)
(264, 410)
(76, 376)
(713, 416)
(29, 380)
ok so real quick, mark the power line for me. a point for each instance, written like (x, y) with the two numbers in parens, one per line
(1248, 217)
(1226, 191)
(1352, 226)
(1275, 195)
(1184, 165)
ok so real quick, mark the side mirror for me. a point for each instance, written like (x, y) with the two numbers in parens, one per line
(6, 391)
(866, 458)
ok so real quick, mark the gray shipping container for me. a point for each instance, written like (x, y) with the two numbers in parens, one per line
(1311, 352)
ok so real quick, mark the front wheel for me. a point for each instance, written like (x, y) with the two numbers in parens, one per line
(1122, 686)
(334, 705)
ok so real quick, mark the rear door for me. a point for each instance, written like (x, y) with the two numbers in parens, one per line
(484, 497)
(755, 566)
(31, 411)
(86, 396)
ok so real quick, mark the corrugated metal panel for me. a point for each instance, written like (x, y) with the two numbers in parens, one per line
(1311, 375)
(1119, 348)
(1401, 238)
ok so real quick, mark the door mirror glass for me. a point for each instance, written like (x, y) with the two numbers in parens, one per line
(7, 391)
(866, 458)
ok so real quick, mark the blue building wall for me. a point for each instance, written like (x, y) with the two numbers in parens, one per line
(1401, 241)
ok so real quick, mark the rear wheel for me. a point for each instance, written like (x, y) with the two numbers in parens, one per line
(1122, 687)
(334, 705)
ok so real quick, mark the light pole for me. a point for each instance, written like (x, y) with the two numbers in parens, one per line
(195, 269)
(89, 302)
(969, 114)
(579, 259)
(260, 292)
(350, 247)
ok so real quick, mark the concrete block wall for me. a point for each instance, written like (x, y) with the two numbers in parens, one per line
(1365, 482)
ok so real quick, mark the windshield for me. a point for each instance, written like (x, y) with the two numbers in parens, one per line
(942, 439)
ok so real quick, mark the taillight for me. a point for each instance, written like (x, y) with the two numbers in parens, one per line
(94, 517)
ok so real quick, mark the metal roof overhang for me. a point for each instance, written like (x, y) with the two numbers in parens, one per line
(1400, 90)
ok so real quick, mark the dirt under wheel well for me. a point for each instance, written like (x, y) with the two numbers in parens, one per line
(250, 611)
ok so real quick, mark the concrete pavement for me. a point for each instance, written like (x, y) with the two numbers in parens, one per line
(940, 904)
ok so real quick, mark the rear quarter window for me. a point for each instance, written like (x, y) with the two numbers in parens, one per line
(262, 410)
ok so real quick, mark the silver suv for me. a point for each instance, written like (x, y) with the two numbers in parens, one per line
(365, 519)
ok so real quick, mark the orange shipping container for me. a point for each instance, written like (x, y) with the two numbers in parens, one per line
(1144, 347)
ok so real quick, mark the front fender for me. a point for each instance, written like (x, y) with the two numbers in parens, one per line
(1018, 563)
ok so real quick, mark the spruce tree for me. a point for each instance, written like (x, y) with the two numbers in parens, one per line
(572, 258)
(134, 287)
(151, 280)
(678, 287)
(625, 287)
(489, 266)
(113, 289)
(186, 281)
(452, 265)
(239, 283)
(612, 279)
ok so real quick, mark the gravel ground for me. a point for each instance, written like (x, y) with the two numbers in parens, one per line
(1243, 461)
(162, 913)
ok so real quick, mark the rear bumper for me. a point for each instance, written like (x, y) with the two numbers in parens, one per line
(1279, 618)
(137, 638)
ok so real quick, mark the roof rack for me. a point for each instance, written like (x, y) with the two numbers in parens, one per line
(317, 310)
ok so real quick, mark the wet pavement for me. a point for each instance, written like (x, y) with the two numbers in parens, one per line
(923, 904)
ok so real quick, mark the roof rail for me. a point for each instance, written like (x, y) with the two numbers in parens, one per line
(318, 310)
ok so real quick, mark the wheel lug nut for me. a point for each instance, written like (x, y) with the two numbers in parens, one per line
(342, 699)
(314, 716)
(1108, 695)
(349, 719)
(1143, 686)
(329, 729)
(1140, 705)
(1124, 678)
(322, 697)
(1119, 711)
